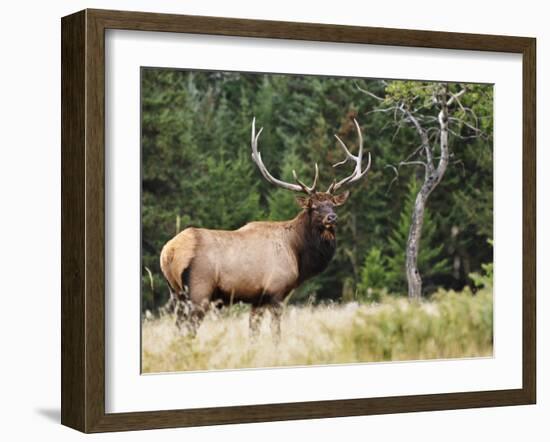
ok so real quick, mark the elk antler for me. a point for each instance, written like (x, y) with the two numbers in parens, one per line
(357, 173)
(257, 158)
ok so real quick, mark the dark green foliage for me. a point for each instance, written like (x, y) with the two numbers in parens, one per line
(484, 279)
(432, 262)
(375, 276)
(386, 272)
(197, 171)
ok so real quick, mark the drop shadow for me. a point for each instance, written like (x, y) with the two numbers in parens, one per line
(51, 414)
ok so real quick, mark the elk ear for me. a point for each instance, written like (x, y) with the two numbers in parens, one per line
(304, 202)
(338, 200)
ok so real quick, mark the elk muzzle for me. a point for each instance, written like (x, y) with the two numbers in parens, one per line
(330, 220)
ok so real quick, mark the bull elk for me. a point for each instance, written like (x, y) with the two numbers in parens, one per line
(263, 261)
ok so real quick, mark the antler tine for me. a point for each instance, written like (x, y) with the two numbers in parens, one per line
(360, 153)
(257, 158)
(308, 190)
(357, 172)
(348, 153)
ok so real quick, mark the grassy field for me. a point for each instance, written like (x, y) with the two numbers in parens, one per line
(450, 325)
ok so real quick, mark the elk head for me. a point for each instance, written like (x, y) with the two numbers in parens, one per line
(319, 205)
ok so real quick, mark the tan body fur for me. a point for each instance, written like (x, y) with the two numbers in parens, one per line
(256, 263)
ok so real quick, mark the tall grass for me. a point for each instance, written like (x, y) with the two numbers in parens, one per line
(450, 325)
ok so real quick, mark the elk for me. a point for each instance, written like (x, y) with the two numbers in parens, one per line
(263, 261)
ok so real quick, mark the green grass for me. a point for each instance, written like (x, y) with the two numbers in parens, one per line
(450, 325)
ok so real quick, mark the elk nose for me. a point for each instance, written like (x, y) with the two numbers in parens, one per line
(331, 218)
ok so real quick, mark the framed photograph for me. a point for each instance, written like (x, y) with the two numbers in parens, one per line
(268, 221)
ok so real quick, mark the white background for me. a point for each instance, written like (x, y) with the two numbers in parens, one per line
(29, 182)
(128, 391)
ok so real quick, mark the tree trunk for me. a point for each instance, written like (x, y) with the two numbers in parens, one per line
(432, 178)
(413, 243)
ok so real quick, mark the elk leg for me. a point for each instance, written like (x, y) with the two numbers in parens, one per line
(199, 295)
(182, 311)
(196, 316)
(255, 320)
(181, 306)
(276, 310)
(170, 305)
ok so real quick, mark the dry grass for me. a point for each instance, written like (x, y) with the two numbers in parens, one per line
(452, 325)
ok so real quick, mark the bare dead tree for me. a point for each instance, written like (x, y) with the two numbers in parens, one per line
(433, 125)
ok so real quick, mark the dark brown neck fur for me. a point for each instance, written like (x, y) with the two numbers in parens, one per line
(314, 249)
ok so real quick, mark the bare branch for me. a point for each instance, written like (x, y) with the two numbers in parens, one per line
(395, 178)
(455, 97)
(468, 125)
(369, 93)
(415, 152)
(463, 137)
(386, 109)
(413, 163)
(423, 136)
(399, 126)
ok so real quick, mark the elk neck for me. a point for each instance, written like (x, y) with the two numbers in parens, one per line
(313, 249)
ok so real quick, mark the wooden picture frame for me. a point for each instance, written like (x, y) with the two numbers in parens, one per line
(83, 220)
